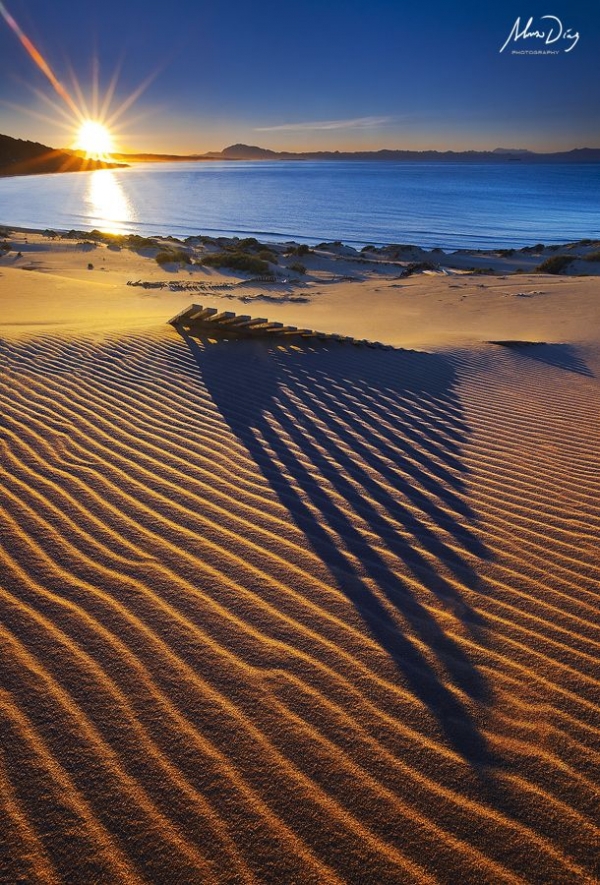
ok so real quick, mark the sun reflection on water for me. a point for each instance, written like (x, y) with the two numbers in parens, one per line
(109, 207)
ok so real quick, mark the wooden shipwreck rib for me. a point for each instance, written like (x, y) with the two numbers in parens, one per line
(200, 320)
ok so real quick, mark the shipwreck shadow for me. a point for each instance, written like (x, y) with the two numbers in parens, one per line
(364, 451)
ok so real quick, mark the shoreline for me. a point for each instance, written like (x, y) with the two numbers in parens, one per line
(581, 248)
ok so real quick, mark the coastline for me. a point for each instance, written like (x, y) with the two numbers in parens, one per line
(522, 259)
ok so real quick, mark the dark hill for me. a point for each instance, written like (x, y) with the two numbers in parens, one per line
(18, 157)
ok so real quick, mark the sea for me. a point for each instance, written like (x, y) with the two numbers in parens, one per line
(445, 205)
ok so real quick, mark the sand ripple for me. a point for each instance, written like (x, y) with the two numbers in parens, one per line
(282, 615)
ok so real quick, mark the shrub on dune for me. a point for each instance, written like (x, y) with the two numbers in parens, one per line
(133, 241)
(556, 264)
(236, 261)
(300, 250)
(172, 256)
(246, 243)
(298, 267)
(267, 255)
(418, 267)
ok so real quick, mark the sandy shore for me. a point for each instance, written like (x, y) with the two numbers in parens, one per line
(282, 613)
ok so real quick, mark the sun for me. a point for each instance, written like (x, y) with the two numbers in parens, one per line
(95, 139)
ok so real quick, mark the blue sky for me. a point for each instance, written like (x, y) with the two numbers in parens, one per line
(328, 74)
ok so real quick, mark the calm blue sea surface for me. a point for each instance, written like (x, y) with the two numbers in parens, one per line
(448, 205)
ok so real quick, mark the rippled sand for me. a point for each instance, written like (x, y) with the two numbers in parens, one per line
(282, 614)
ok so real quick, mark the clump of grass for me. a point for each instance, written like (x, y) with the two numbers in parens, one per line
(4, 247)
(236, 261)
(298, 267)
(172, 256)
(506, 253)
(201, 238)
(117, 241)
(481, 270)
(417, 267)
(395, 251)
(90, 266)
(133, 241)
(334, 244)
(300, 250)
(556, 264)
(593, 256)
(247, 243)
(267, 255)
(109, 239)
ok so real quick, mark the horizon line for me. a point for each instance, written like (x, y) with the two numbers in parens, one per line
(331, 150)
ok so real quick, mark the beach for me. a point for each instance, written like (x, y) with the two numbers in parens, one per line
(299, 611)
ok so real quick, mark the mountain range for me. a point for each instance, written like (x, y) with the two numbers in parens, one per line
(18, 157)
(499, 155)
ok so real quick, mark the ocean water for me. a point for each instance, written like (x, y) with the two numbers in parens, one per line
(429, 204)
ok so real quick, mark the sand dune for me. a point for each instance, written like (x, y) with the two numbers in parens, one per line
(281, 614)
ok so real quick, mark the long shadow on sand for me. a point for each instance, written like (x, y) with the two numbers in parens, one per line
(560, 356)
(364, 451)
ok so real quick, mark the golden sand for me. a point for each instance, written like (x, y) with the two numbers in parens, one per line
(313, 614)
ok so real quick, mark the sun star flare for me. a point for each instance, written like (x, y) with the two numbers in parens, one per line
(95, 139)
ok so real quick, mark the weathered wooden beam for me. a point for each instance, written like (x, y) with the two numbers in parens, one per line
(222, 317)
(266, 326)
(211, 321)
(251, 323)
(236, 320)
(185, 314)
(203, 316)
